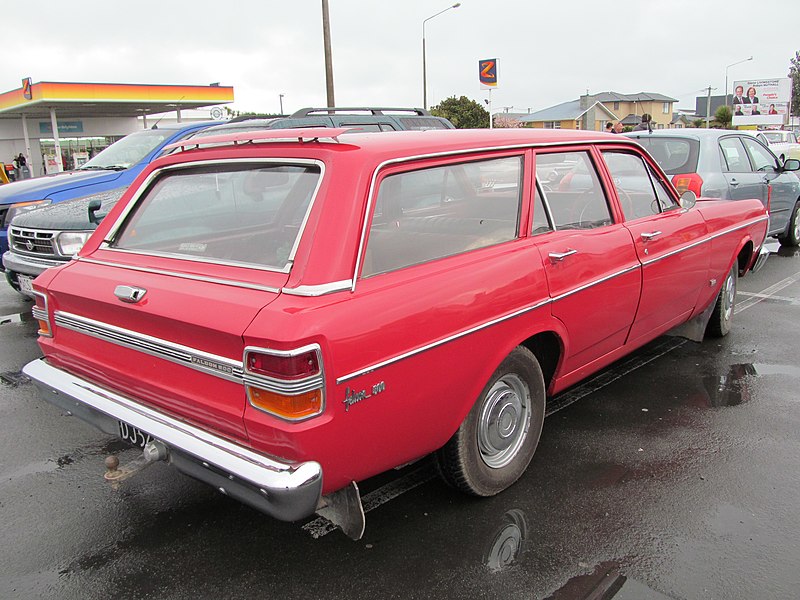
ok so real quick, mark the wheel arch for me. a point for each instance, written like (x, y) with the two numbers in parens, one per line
(548, 348)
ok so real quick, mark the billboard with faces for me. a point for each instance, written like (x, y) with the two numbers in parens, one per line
(761, 101)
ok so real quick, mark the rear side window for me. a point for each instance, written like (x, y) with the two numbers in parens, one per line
(674, 155)
(427, 214)
(239, 213)
(734, 156)
(421, 123)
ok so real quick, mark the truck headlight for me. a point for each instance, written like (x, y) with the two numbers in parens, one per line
(70, 242)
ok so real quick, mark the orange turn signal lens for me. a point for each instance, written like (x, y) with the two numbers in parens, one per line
(293, 408)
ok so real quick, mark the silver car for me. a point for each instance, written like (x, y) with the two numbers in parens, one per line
(731, 165)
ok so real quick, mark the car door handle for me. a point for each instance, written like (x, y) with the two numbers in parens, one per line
(559, 256)
(734, 183)
(647, 236)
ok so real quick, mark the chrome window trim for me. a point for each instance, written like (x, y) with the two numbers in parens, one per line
(217, 280)
(321, 289)
(134, 200)
(547, 211)
(466, 152)
(291, 388)
(219, 366)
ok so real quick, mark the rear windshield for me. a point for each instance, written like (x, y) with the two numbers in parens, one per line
(674, 155)
(241, 213)
(421, 123)
(129, 150)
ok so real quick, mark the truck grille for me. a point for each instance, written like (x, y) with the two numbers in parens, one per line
(32, 241)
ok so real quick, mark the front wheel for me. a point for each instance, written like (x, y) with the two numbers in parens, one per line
(496, 441)
(792, 236)
(721, 317)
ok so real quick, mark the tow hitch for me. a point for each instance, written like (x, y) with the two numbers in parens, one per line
(152, 453)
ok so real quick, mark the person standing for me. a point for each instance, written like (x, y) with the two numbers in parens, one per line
(618, 127)
(20, 161)
(645, 125)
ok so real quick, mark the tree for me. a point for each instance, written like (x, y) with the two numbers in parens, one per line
(698, 123)
(794, 73)
(504, 121)
(723, 117)
(462, 112)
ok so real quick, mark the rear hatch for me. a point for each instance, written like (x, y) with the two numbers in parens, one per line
(158, 310)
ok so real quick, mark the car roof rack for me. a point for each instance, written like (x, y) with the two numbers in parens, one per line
(303, 135)
(306, 112)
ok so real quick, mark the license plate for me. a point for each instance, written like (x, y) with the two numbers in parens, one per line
(132, 435)
(25, 284)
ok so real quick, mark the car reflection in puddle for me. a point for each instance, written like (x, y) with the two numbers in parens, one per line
(605, 582)
(508, 543)
(733, 388)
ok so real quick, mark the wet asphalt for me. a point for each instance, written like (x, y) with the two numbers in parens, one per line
(673, 474)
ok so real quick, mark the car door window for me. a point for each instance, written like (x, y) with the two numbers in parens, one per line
(635, 187)
(762, 159)
(733, 154)
(571, 188)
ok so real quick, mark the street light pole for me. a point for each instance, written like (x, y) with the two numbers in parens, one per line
(326, 39)
(726, 75)
(280, 99)
(424, 64)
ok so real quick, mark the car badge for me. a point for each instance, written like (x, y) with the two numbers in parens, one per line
(30, 245)
(129, 294)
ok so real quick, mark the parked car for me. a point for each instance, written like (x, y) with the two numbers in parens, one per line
(783, 143)
(283, 314)
(51, 236)
(731, 165)
(113, 168)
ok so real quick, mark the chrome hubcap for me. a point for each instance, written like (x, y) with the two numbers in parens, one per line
(728, 296)
(797, 225)
(504, 421)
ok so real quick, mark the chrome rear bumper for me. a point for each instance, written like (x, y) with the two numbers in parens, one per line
(285, 491)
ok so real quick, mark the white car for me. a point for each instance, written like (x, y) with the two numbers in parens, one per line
(783, 143)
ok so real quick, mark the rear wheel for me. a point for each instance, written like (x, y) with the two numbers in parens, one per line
(496, 441)
(792, 235)
(720, 323)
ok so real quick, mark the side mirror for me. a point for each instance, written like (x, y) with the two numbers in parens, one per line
(791, 164)
(688, 199)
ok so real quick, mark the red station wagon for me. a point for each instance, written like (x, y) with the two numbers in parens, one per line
(282, 314)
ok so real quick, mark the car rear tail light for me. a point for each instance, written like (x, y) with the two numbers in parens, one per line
(42, 315)
(688, 181)
(284, 367)
(287, 384)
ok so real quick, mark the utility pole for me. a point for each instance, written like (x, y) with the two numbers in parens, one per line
(326, 36)
(708, 106)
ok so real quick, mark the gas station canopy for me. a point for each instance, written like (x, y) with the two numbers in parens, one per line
(37, 100)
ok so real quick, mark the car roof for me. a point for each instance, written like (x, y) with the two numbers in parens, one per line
(411, 143)
(688, 133)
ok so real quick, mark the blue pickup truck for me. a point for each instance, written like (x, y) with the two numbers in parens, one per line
(114, 168)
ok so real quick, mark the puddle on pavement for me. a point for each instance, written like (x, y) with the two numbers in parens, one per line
(508, 543)
(735, 387)
(605, 582)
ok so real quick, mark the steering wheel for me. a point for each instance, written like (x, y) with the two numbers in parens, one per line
(626, 202)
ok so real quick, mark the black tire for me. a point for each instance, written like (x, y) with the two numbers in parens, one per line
(495, 443)
(722, 316)
(792, 236)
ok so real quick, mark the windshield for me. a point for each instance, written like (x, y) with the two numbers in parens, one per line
(129, 150)
(236, 213)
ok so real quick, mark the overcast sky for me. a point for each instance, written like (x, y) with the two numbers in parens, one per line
(548, 52)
